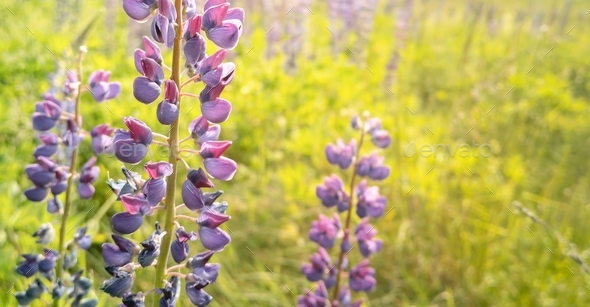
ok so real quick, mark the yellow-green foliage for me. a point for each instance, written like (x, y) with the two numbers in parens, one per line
(450, 240)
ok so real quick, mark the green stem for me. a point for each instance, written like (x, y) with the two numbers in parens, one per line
(171, 180)
(72, 171)
(349, 212)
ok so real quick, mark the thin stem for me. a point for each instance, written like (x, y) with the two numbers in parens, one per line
(176, 267)
(72, 170)
(193, 78)
(160, 143)
(173, 143)
(185, 163)
(163, 137)
(185, 139)
(190, 95)
(349, 212)
(186, 217)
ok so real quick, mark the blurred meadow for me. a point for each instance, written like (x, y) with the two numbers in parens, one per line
(511, 74)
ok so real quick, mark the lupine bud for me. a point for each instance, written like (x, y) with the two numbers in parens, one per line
(192, 196)
(36, 289)
(324, 230)
(70, 259)
(54, 205)
(362, 277)
(370, 202)
(381, 138)
(345, 246)
(372, 167)
(58, 289)
(167, 111)
(210, 197)
(119, 284)
(332, 193)
(199, 260)
(120, 253)
(100, 88)
(341, 154)
(82, 239)
(45, 234)
(179, 248)
(364, 234)
(88, 174)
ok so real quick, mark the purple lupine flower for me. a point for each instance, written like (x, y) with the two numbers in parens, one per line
(132, 183)
(82, 239)
(151, 51)
(192, 196)
(58, 289)
(318, 298)
(216, 74)
(88, 174)
(151, 248)
(212, 237)
(179, 248)
(71, 138)
(47, 263)
(189, 7)
(372, 166)
(332, 193)
(341, 154)
(195, 292)
(29, 266)
(167, 111)
(120, 283)
(60, 184)
(49, 147)
(136, 206)
(100, 87)
(194, 49)
(222, 25)
(162, 25)
(155, 187)
(46, 115)
(344, 298)
(320, 262)
(101, 141)
(219, 167)
(324, 230)
(370, 202)
(131, 146)
(138, 9)
(170, 292)
(200, 129)
(381, 138)
(54, 205)
(133, 300)
(147, 89)
(362, 277)
(345, 245)
(364, 235)
(120, 253)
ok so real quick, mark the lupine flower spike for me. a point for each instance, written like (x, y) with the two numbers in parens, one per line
(325, 231)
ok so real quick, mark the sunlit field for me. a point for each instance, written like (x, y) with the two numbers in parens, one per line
(487, 104)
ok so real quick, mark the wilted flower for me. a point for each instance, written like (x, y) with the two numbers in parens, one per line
(121, 281)
(170, 292)
(45, 234)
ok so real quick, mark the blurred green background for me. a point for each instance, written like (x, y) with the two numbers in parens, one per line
(512, 74)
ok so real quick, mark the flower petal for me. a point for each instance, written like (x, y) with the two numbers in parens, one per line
(145, 91)
(136, 9)
(216, 111)
(126, 223)
(221, 168)
(213, 239)
(226, 35)
(214, 149)
(86, 190)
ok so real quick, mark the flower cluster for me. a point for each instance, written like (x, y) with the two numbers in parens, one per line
(54, 155)
(56, 170)
(325, 231)
(184, 30)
